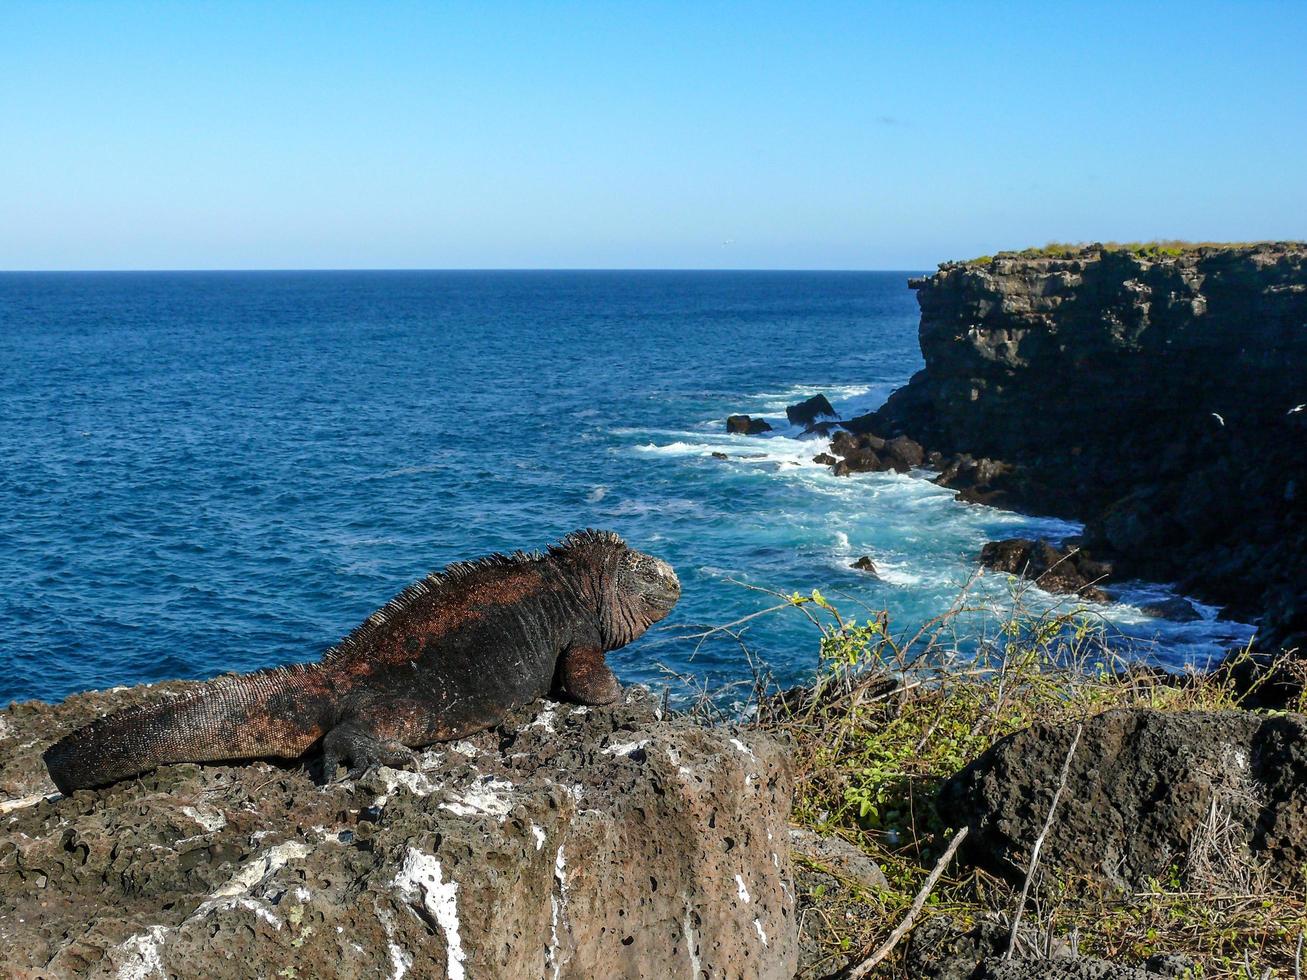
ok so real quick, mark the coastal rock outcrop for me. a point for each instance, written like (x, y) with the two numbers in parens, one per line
(1215, 799)
(744, 425)
(1054, 569)
(977, 481)
(1148, 391)
(866, 452)
(570, 841)
(807, 412)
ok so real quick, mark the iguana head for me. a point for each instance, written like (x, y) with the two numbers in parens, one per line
(634, 590)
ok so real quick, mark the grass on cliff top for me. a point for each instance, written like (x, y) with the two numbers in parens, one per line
(1160, 248)
(889, 719)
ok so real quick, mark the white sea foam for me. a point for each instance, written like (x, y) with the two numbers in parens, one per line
(791, 524)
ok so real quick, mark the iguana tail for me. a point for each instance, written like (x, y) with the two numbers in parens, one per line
(279, 712)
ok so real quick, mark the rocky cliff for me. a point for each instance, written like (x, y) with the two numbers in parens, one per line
(569, 842)
(1155, 393)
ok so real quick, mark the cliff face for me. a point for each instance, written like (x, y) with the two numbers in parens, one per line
(1100, 374)
(569, 842)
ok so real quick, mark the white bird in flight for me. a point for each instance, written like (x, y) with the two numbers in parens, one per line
(1218, 418)
(1296, 409)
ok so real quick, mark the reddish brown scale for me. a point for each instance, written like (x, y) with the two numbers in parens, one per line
(446, 657)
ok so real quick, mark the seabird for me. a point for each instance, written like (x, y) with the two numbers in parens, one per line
(1218, 418)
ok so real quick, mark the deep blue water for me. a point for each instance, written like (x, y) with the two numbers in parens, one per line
(202, 472)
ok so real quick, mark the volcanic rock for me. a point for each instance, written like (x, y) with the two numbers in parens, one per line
(1053, 569)
(570, 841)
(743, 425)
(1218, 799)
(807, 412)
(1095, 374)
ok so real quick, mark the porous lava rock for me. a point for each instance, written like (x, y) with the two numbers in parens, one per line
(1218, 799)
(570, 841)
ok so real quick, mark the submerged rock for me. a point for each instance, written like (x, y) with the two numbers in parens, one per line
(822, 428)
(865, 564)
(577, 842)
(1218, 799)
(1175, 608)
(1053, 569)
(743, 425)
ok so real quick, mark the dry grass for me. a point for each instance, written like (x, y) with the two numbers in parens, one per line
(1156, 249)
(889, 718)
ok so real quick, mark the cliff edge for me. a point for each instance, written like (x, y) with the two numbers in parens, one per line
(1154, 392)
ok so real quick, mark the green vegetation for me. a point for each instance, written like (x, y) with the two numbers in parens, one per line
(888, 719)
(1162, 248)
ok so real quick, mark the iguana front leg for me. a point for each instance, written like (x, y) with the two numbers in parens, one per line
(583, 676)
(361, 748)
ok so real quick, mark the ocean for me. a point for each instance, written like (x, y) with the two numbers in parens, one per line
(205, 472)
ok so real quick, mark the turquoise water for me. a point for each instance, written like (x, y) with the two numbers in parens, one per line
(202, 472)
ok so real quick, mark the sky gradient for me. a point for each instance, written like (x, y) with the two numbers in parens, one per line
(696, 135)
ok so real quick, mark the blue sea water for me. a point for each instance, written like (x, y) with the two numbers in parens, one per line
(203, 472)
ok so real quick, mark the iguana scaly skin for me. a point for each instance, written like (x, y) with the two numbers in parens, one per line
(448, 656)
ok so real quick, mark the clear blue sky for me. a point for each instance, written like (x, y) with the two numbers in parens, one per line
(789, 135)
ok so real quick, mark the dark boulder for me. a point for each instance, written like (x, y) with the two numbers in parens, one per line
(861, 461)
(1261, 679)
(865, 564)
(1060, 570)
(904, 453)
(978, 481)
(843, 443)
(1217, 799)
(866, 453)
(807, 412)
(743, 425)
(720, 456)
(825, 459)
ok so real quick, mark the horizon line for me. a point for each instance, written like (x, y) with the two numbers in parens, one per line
(276, 269)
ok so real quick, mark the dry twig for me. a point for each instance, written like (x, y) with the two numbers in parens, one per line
(904, 927)
(1039, 843)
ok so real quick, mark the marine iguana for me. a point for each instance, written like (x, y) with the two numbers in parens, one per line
(449, 655)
